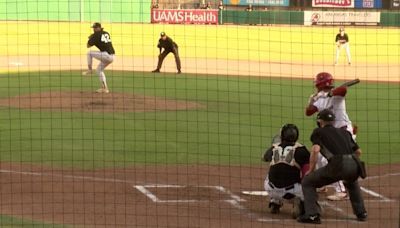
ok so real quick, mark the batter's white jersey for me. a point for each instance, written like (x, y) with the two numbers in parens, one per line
(337, 104)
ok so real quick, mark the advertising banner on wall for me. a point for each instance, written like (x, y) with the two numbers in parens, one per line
(333, 3)
(257, 2)
(184, 16)
(377, 4)
(341, 18)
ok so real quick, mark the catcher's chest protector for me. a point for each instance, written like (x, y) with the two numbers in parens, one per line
(285, 155)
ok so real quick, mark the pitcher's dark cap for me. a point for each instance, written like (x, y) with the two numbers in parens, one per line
(96, 25)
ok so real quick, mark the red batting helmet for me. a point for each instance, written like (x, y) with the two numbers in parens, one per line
(323, 80)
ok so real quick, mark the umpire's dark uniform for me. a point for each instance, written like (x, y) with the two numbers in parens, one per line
(169, 46)
(339, 148)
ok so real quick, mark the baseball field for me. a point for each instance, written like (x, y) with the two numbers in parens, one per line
(178, 150)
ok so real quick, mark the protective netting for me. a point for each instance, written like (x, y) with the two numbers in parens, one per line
(90, 136)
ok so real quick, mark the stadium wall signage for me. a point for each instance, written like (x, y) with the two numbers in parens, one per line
(184, 16)
(257, 2)
(341, 18)
(333, 3)
(376, 4)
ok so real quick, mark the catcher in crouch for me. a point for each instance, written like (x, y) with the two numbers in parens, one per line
(288, 164)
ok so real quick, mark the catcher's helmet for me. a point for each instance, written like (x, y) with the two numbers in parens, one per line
(326, 115)
(289, 133)
(323, 80)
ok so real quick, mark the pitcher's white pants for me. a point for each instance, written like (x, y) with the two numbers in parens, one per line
(105, 60)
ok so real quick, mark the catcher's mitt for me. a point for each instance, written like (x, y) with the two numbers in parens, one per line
(276, 140)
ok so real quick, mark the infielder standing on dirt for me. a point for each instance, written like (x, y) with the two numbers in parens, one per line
(169, 46)
(339, 148)
(328, 97)
(102, 40)
(342, 41)
(288, 163)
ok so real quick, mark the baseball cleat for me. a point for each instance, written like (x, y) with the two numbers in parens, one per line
(101, 90)
(156, 71)
(274, 208)
(362, 217)
(338, 196)
(88, 72)
(179, 72)
(314, 219)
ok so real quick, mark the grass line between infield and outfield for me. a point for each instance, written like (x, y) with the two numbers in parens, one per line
(12, 221)
(240, 117)
(310, 44)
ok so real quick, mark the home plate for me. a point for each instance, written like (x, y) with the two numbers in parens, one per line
(255, 193)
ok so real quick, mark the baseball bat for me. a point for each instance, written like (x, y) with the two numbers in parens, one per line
(348, 84)
(351, 83)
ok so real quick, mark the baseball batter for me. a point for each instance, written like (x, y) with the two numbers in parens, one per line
(288, 163)
(328, 97)
(102, 40)
(342, 41)
(169, 46)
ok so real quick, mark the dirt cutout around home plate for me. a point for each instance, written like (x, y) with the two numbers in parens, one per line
(79, 101)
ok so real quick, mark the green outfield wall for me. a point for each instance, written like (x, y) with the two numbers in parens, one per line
(138, 11)
(76, 10)
(390, 19)
(261, 17)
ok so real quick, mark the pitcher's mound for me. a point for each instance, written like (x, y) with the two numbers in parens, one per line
(95, 102)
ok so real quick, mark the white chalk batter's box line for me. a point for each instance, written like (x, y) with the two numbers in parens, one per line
(234, 199)
(380, 197)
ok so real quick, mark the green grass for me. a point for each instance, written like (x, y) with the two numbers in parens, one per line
(8, 221)
(240, 117)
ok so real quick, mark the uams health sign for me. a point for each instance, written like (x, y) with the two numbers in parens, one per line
(186, 16)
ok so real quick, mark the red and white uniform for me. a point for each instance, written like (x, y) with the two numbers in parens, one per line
(335, 101)
(337, 104)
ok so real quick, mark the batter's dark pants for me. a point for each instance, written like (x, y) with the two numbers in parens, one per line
(338, 168)
(164, 54)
